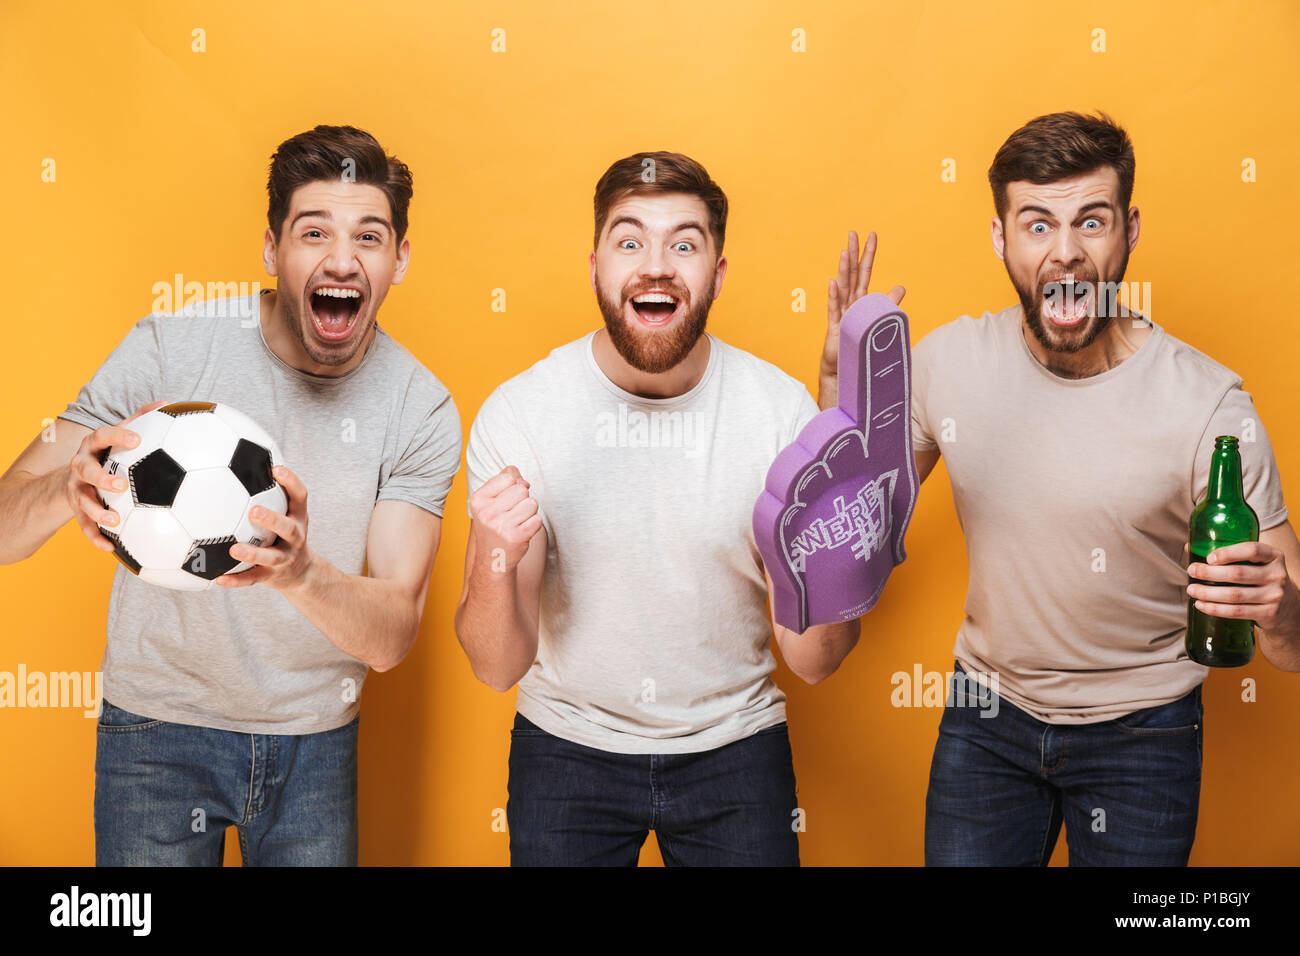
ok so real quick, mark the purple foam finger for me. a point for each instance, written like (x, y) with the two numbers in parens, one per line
(831, 519)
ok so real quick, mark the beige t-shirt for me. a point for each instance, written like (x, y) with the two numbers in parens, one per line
(1074, 496)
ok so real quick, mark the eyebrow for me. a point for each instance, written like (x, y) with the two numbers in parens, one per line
(1097, 204)
(633, 221)
(325, 214)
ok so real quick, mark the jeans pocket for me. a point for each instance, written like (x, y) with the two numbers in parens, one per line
(115, 720)
(1180, 717)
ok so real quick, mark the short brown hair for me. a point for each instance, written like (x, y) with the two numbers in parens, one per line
(1059, 146)
(320, 155)
(668, 173)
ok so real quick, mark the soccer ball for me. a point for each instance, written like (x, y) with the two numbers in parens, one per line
(191, 481)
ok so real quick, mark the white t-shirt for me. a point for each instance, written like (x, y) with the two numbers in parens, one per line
(654, 635)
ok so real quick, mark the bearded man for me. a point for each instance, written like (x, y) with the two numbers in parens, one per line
(611, 569)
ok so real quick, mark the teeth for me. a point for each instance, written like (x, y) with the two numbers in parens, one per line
(647, 297)
(338, 293)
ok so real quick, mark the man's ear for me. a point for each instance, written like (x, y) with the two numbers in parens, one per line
(268, 252)
(403, 260)
(999, 239)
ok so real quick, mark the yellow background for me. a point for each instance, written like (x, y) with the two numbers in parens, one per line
(162, 157)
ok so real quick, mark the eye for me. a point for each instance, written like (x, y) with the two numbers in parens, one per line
(1092, 219)
(623, 243)
(1033, 227)
(310, 232)
(690, 246)
(372, 236)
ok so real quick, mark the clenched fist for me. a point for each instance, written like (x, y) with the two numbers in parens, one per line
(505, 518)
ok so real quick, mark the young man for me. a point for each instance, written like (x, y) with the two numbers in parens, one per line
(1078, 442)
(239, 704)
(611, 568)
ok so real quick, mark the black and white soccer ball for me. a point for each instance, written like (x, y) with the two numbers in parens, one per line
(191, 481)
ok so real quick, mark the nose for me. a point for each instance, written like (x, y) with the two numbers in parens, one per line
(340, 259)
(1066, 249)
(656, 264)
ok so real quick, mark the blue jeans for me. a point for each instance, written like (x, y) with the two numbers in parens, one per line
(165, 793)
(572, 805)
(1127, 789)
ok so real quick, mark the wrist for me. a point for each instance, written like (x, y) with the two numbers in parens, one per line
(313, 579)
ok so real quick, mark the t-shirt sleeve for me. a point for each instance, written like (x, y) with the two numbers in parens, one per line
(1236, 415)
(923, 355)
(805, 411)
(130, 377)
(496, 440)
(423, 473)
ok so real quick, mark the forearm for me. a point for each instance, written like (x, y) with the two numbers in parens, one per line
(370, 619)
(828, 388)
(818, 652)
(498, 637)
(32, 508)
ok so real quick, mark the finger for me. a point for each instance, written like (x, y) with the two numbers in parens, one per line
(293, 487)
(1253, 574)
(1254, 551)
(521, 512)
(868, 259)
(265, 557)
(90, 507)
(92, 473)
(885, 375)
(854, 272)
(283, 526)
(497, 483)
(108, 436)
(833, 306)
(1224, 595)
(242, 579)
(92, 532)
(502, 503)
(842, 277)
(1247, 612)
(896, 294)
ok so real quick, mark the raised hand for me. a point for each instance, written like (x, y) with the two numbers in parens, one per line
(850, 284)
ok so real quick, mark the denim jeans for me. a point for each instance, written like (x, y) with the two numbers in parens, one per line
(572, 805)
(1127, 789)
(165, 793)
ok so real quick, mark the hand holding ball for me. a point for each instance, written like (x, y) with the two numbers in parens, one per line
(190, 482)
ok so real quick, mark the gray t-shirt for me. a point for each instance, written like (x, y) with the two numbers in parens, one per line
(247, 660)
(654, 634)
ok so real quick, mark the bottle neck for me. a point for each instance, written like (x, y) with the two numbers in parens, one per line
(1225, 473)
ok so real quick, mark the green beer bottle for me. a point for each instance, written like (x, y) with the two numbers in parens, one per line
(1221, 518)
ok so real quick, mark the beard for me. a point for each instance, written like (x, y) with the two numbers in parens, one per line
(339, 354)
(654, 350)
(1104, 307)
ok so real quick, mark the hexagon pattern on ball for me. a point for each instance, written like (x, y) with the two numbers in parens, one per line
(198, 469)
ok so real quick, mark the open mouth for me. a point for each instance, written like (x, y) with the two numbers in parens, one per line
(334, 310)
(655, 309)
(1067, 301)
